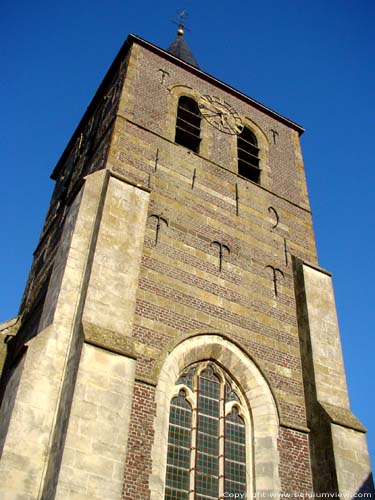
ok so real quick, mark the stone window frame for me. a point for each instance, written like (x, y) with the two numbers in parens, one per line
(263, 144)
(191, 397)
(178, 90)
(175, 92)
(248, 155)
(187, 131)
(262, 448)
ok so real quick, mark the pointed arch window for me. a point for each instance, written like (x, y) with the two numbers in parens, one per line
(207, 437)
(188, 124)
(248, 155)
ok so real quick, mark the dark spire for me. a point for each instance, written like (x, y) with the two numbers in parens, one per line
(179, 48)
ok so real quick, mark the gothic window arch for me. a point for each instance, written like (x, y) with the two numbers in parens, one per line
(188, 124)
(207, 435)
(248, 155)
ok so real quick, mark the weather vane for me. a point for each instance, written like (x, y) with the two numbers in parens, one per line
(181, 14)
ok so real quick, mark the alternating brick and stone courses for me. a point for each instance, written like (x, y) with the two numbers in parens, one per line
(155, 258)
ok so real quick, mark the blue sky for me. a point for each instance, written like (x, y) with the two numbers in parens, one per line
(311, 61)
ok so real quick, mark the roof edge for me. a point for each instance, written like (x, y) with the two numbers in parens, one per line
(94, 101)
(224, 86)
(131, 38)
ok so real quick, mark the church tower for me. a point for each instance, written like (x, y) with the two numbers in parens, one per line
(177, 339)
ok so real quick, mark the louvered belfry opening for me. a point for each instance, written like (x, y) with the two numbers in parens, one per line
(188, 124)
(248, 155)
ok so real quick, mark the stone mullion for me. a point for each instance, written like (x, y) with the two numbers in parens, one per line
(194, 439)
(221, 440)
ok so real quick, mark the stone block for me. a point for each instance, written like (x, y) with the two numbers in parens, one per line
(100, 446)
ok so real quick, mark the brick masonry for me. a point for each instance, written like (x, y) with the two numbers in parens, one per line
(144, 290)
(294, 462)
(180, 287)
(138, 460)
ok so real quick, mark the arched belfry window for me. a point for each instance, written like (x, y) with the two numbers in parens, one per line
(207, 437)
(248, 155)
(188, 124)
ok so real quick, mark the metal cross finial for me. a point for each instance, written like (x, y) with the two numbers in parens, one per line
(181, 14)
(159, 218)
(221, 253)
(275, 271)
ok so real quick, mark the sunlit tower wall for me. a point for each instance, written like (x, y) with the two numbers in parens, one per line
(177, 257)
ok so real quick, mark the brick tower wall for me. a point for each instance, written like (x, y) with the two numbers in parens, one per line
(181, 289)
(127, 273)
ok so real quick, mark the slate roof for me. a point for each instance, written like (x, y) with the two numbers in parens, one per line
(179, 48)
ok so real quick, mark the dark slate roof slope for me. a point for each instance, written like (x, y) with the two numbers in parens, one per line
(179, 48)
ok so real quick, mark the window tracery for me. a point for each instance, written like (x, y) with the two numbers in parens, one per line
(207, 436)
